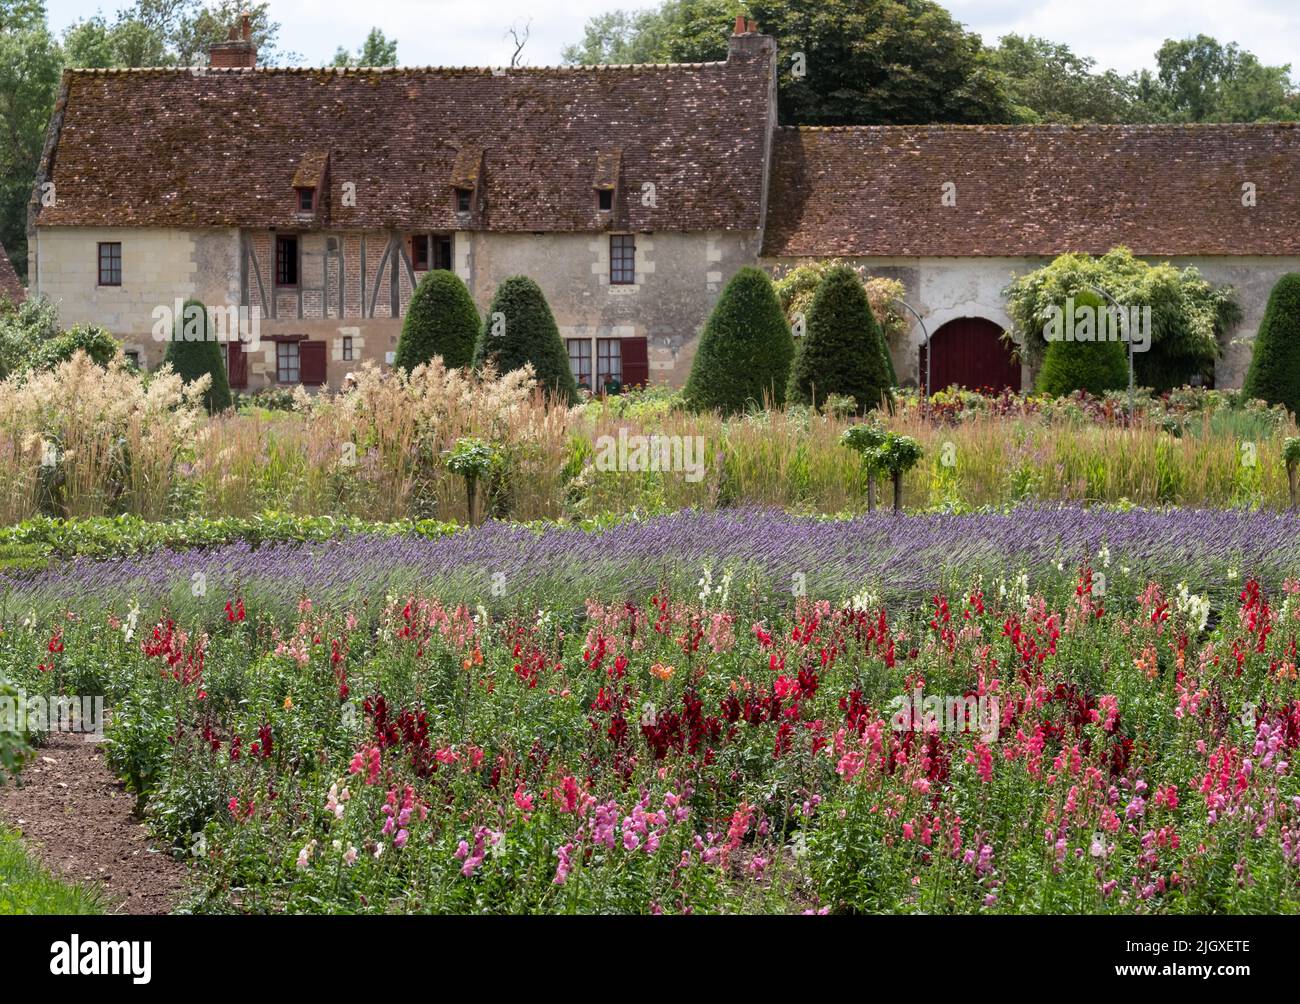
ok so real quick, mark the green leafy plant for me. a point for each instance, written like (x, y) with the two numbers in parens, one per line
(1189, 315)
(897, 455)
(866, 439)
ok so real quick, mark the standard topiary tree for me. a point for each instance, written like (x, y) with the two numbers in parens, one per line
(745, 349)
(843, 351)
(441, 320)
(520, 329)
(1274, 374)
(193, 351)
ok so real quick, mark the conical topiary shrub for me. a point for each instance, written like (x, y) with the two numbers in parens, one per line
(194, 351)
(1094, 366)
(843, 351)
(1274, 374)
(745, 350)
(520, 329)
(441, 320)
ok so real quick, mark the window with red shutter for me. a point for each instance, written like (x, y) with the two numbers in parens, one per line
(636, 362)
(311, 362)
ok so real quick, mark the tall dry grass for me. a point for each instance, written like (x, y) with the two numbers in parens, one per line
(84, 441)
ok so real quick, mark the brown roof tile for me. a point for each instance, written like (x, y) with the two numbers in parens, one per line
(1034, 190)
(223, 147)
(10, 288)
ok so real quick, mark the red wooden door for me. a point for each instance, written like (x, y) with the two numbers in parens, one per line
(970, 353)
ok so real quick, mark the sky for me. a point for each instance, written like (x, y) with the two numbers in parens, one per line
(1119, 34)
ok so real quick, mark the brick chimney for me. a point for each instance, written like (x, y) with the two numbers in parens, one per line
(746, 41)
(239, 50)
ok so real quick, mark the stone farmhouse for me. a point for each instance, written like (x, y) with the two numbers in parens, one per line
(316, 199)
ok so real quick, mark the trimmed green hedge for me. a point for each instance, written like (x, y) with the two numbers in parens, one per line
(1274, 374)
(520, 329)
(440, 321)
(194, 352)
(745, 350)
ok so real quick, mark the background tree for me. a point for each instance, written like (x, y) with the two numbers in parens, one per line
(30, 63)
(441, 320)
(867, 61)
(1047, 82)
(192, 352)
(1274, 374)
(377, 50)
(843, 351)
(520, 330)
(745, 350)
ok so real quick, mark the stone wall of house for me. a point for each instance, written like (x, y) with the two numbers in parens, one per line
(944, 289)
(347, 283)
(159, 267)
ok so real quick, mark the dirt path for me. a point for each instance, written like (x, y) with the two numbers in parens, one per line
(77, 819)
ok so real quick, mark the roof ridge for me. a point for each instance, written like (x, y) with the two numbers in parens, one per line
(1042, 126)
(342, 71)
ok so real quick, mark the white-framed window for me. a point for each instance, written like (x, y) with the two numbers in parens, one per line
(609, 361)
(287, 362)
(580, 360)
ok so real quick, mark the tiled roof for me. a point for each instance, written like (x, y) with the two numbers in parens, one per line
(10, 288)
(223, 147)
(1034, 190)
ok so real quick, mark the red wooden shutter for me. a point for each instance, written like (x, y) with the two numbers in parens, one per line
(311, 363)
(236, 365)
(636, 362)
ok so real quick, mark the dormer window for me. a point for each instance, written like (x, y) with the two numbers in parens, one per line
(605, 199)
(464, 199)
(306, 200)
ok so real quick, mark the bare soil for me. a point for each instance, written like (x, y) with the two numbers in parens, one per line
(80, 822)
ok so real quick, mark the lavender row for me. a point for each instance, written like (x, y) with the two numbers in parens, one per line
(1213, 550)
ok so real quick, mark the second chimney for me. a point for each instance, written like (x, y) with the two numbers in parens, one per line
(239, 51)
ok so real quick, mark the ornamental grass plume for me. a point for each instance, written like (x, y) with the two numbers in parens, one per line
(81, 440)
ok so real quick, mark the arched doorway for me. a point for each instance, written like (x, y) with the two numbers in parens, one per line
(970, 353)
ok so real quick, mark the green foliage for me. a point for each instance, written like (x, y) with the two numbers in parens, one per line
(897, 454)
(1274, 374)
(869, 61)
(27, 889)
(378, 50)
(43, 538)
(193, 352)
(471, 458)
(1047, 82)
(520, 330)
(24, 331)
(1189, 315)
(1291, 451)
(865, 438)
(843, 351)
(743, 360)
(441, 320)
(96, 342)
